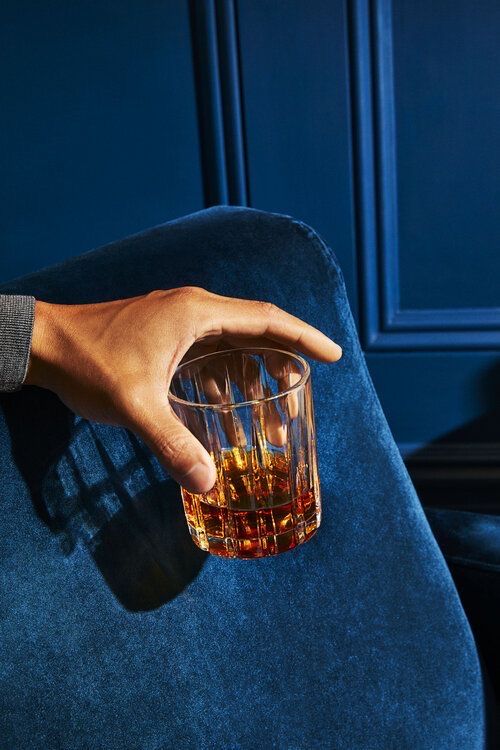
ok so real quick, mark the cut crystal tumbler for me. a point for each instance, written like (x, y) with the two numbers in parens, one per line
(252, 409)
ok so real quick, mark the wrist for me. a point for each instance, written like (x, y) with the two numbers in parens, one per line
(45, 343)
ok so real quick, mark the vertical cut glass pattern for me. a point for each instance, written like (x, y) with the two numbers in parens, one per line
(252, 410)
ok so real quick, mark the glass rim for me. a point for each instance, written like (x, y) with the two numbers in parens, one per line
(253, 402)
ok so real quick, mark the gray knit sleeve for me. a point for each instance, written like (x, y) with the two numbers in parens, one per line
(17, 314)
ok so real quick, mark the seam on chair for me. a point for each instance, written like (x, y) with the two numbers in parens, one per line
(327, 253)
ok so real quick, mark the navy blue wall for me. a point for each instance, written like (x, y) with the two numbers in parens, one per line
(98, 128)
(375, 122)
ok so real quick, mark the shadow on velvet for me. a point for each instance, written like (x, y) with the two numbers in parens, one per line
(97, 486)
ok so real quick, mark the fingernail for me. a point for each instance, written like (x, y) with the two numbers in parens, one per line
(200, 478)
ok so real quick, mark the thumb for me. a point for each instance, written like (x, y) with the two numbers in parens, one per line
(176, 447)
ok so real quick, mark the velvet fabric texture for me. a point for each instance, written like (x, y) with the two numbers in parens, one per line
(118, 633)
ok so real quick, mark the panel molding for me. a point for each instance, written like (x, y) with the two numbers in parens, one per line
(384, 325)
(216, 63)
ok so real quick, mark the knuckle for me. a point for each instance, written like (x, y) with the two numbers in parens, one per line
(191, 291)
(268, 309)
(188, 300)
(182, 294)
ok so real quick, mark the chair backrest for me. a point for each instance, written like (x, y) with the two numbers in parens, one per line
(355, 640)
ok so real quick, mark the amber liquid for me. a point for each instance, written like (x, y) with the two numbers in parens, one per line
(258, 507)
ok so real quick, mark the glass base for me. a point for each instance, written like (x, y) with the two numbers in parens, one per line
(249, 549)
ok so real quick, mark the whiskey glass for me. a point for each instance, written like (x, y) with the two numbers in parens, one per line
(252, 409)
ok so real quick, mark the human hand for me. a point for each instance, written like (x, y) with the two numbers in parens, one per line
(112, 362)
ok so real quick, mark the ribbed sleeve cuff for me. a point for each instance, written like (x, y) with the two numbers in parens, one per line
(17, 314)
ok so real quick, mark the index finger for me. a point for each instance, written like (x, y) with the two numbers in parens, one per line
(240, 317)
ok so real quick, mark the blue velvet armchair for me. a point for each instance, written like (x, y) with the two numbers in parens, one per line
(118, 633)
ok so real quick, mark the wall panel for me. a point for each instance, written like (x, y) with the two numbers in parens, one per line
(295, 81)
(99, 127)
